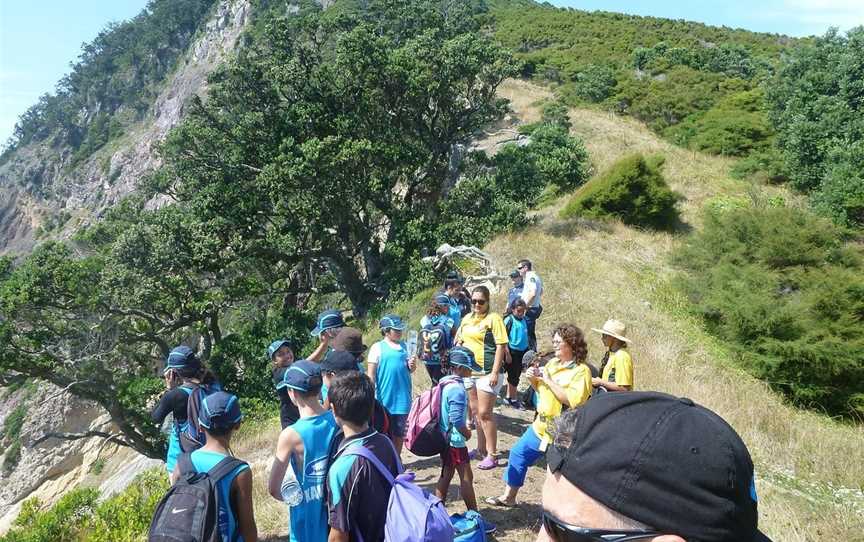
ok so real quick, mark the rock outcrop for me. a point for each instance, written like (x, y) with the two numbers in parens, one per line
(38, 183)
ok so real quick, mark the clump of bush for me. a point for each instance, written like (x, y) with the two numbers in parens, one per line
(785, 290)
(632, 190)
(78, 516)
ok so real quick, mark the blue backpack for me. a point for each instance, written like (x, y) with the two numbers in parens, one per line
(190, 434)
(469, 527)
(434, 341)
(413, 514)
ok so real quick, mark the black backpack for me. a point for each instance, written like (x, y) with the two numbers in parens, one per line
(189, 512)
(433, 343)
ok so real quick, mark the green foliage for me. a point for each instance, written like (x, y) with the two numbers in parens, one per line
(736, 126)
(816, 106)
(785, 291)
(116, 79)
(632, 190)
(683, 79)
(78, 517)
(61, 523)
(331, 125)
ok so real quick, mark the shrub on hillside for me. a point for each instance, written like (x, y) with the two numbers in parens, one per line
(78, 516)
(782, 288)
(632, 190)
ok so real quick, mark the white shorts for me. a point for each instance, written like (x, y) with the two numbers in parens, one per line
(482, 383)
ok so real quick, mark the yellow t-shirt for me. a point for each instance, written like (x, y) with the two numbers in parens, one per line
(575, 378)
(619, 368)
(481, 336)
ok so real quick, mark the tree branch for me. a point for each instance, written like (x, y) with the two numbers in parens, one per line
(86, 434)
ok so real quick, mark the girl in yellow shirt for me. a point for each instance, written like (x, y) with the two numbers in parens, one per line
(616, 370)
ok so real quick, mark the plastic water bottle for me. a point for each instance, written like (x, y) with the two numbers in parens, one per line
(412, 343)
(292, 493)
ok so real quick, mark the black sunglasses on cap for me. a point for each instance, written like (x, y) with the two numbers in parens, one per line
(559, 531)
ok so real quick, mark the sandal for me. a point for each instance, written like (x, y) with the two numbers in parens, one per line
(498, 501)
(488, 464)
(474, 454)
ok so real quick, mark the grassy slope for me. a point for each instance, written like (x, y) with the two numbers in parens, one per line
(809, 481)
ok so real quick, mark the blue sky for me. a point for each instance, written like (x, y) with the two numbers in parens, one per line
(38, 39)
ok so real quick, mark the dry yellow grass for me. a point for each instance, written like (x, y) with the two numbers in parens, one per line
(809, 470)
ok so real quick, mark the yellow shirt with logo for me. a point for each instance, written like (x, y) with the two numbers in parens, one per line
(575, 378)
(482, 336)
(619, 368)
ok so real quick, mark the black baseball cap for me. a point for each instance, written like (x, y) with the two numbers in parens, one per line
(664, 461)
(338, 361)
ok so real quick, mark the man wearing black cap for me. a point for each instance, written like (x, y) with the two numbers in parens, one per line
(647, 466)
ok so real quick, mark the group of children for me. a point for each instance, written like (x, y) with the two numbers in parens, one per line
(329, 407)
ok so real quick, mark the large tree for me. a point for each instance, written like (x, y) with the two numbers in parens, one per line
(333, 130)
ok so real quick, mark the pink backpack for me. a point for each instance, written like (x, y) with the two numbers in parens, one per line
(425, 437)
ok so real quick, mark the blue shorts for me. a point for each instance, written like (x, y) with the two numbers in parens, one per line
(398, 425)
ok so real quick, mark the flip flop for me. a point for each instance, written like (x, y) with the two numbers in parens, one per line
(498, 501)
(488, 464)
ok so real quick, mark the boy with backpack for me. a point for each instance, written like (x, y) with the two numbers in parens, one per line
(188, 382)
(339, 362)
(358, 494)
(517, 332)
(212, 499)
(452, 422)
(303, 447)
(281, 353)
(435, 337)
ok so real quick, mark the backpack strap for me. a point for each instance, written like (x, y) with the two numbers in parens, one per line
(367, 454)
(224, 468)
(185, 464)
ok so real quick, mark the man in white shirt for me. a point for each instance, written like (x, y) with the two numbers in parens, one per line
(532, 291)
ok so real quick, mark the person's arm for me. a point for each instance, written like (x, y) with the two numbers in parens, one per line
(529, 291)
(337, 536)
(321, 349)
(456, 414)
(242, 486)
(611, 386)
(289, 444)
(165, 406)
(372, 364)
(174, 475)
(499, 333)
(575, 392)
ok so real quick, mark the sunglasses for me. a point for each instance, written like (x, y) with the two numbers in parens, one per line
(478, 301)
(563, 532)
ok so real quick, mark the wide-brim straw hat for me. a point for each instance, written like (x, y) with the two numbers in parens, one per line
(614, 328)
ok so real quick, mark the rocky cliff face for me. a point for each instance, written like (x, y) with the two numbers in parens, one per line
(41, 194)
(38, 188)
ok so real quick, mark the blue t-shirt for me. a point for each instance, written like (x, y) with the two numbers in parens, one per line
(393, 379)
(454, 409)
(203, 461)
(309, 518)
(518, 332)
(514, 294)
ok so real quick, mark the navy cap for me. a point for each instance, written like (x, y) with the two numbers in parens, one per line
(442, 299)
(515, 274)
(338, 361)
(327, 320)
(276, 345)
(663, 461)
(219, 410)
(301, 376)
(182, 358)
(459, 355)
(391, 321)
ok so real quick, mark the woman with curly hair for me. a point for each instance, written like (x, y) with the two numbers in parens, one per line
(564, 383)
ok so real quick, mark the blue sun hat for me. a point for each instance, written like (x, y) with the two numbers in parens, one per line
(391, 321)
(328, 319)
(303, 376)
(461, 356)
(182, 359)
(276, 345)
(220, 410)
